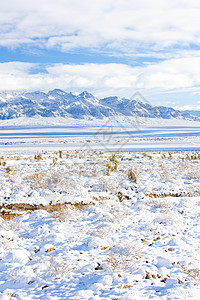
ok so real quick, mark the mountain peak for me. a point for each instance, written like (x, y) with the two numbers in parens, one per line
(86, 94)
(57, 91)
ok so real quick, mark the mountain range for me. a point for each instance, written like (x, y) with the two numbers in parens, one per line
(58, 103)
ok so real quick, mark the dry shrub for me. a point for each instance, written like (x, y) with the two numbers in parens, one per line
(159, 203)
(132, 176)
(104, 184)
(116, 215)
(38, 157)
(8, 170)
(121, 196)
(123, 258)
(8, 228)
(114, 160)
(193, 190)
(165, 174)
(193, 173)
(55, 180)
(60, 268)
(38, 180)
(109, 168)
(12, 225)
(7, 216)
(66, 214)
(104, 232)
(69, 186)
(161, 194)
(192, 274)
(168, 218)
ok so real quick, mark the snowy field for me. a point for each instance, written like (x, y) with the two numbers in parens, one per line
(122, 134)
(97, 225)
(99, 210)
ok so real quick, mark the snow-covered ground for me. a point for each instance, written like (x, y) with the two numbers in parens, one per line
(122, 134)
(93, 225)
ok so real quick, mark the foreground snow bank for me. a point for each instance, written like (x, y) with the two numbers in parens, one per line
(111, 237)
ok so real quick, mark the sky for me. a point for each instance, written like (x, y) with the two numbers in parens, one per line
(107, 47)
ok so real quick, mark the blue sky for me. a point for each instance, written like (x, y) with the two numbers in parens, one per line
(108, 47)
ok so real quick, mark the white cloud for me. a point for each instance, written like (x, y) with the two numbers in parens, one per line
(15, 68)
(119, 79)
(187, 107)
(114, 24)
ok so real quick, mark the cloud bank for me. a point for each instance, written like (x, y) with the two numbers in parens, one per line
(115, 25)
(182, 73)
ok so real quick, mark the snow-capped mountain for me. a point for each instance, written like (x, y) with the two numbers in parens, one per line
(58, 103)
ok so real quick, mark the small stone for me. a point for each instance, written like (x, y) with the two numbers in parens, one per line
(127, 286)
(50, 249)
(151, 244)
(99, 267)
(148, 275)
(44, 287)
(180, 281)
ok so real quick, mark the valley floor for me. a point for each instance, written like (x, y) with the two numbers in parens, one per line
(99, 225)
(122, 134)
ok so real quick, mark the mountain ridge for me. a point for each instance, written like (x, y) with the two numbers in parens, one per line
(58, 103)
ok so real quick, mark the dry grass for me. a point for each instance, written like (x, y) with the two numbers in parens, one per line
(38, 180)
(168, 218)
(158, 194)
(60, 211)
(8, 216)
(9, 226)
(123, 197)
(164, 173)
(60, 268)
(123, 258)
(193, 173)
(192, 274)
(159, 203)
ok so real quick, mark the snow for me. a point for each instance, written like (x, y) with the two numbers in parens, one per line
(121, 134)
(70, 231)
